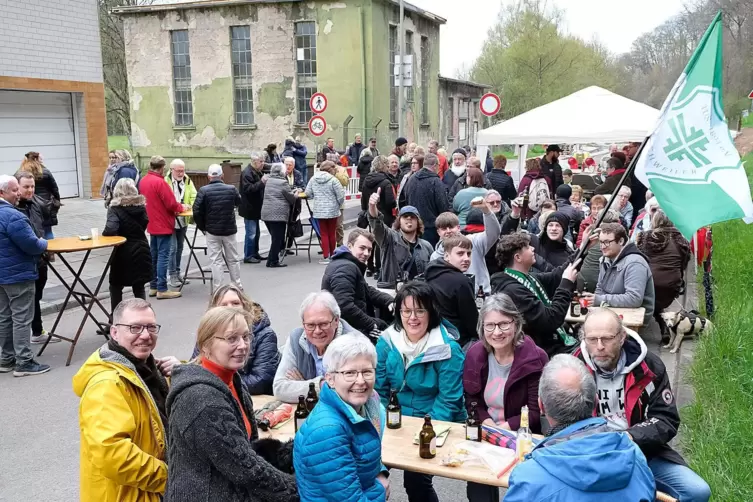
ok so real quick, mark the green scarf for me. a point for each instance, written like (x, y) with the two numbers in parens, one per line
(535, 287)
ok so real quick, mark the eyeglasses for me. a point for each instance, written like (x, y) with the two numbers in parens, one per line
(137, 329)
(490, 327)
(311, 326)
(494, 202)
(234, 340)
(419, 313)
(593, 341)
(605, 244)
(351, 376)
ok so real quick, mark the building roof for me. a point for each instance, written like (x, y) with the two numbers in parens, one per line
(199, 4)
(463, 82)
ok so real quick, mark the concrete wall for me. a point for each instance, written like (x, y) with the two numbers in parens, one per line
(464, 97)
(50, 40)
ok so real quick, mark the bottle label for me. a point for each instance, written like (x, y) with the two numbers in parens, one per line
(299, 423)
(393, 417)
(471, 433)
(479, 302)
(433, 446)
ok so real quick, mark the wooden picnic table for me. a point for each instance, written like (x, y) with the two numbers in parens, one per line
(632, 318)
(399, 452)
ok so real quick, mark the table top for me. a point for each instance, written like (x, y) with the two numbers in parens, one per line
(73, 244)
(632, 318)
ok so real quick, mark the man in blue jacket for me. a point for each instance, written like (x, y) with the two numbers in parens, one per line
(294, 148)
(581, 458)
(19, 250)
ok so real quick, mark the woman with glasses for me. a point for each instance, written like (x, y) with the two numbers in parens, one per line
(213, 438)
(337, 453)
(259, 371)
(420, 357)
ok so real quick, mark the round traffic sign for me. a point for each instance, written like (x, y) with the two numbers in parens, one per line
(318, 103)
(490, 104)
(317, 125)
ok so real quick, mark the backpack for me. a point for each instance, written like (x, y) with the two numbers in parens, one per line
(538, 192)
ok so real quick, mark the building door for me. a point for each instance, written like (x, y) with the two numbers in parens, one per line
(40, 122)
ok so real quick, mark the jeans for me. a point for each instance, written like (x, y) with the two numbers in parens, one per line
(304, 175)
(36, 322)
(482, 493)
(328, 229)
(16, 312)
(419, 487)
(116, 294)
(48, 233)
(176, 250)
(679, 481)
(277, 234)
(160, 247)
(223, 249)
(251, 244)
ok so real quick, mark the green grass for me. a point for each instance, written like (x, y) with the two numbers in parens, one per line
(748, 121)
(534, 151)
(718, 426)
(118, 143)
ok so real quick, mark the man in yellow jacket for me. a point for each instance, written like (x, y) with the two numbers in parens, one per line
(185, 193)
(123, 389)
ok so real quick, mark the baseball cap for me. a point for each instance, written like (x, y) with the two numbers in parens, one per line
(409, 210)
(214, 170)
(553, 148)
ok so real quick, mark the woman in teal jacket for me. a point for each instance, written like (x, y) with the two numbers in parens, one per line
(420, 358)
(338, 450)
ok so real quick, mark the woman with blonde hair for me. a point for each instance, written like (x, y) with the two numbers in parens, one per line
(45, 187)
(214, 451)
(259, 371)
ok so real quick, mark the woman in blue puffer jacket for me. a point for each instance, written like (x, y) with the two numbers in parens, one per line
(338, 451)
(259, 371)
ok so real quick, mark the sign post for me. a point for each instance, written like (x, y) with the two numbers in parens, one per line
(318, 103)
(317, 125)
(490, 104)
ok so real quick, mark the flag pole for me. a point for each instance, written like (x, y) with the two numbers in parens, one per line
(628, 171)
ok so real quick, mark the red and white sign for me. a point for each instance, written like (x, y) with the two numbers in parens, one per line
(750, 95)
(490, 104)
(318, 103)
(317, 125)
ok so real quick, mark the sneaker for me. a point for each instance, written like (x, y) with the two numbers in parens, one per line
(260, 257)
(7, 367)
(41, 338)
(251, 260)
(167, 295)
(152, 292)
(30, 369)
(324, 261)
(174, 282)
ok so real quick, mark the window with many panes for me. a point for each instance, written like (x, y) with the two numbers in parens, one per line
(409, 52)
(393, 88)
(305, 46)
(425, 63)
(181, 78)
(243, 99)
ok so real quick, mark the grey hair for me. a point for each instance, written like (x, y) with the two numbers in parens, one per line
(599, 311)
(256, 156)
(365, 152)
(177, 162)
(129, 304)
(625, 190)
(503, 304)
(612, 216)
(430, 160)
(124, 155)
(5, 180)
(125, 187)
(492, 192)
(393, 156)
(284, 160)
(380, 164)
(564, 404)
(276, 169)
(324, 298)
(345, 348)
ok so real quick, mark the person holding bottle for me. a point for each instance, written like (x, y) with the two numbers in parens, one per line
(501, 374)
(420, 356)
(337, 453)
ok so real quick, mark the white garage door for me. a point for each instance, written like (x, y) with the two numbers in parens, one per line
(40, 122)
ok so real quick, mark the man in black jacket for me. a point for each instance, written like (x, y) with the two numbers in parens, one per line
(542, 298)
(501, 181)
(214, 214)
(635, 396)
(354, 150)
(455, 297)
(550, 166)
(252, 197)
(426, 192)
(344, 278)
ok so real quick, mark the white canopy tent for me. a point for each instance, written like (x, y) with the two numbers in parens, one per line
(591, 115)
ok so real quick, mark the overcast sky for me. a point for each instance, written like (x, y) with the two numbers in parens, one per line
(616, 23)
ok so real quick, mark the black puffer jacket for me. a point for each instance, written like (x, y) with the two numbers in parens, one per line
(387, 202)
(252, 193)
(344, 278)
(214, 208)
(47, 189)
(426, 192)
(364, 169)
(209, 451)
(455, 297)
(502, 183)
(132, 262)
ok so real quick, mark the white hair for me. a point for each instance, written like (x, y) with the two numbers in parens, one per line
(625, 190)
(562, 403)
(323, 298)
(5, 182)
(492, 192)
(276, 169)
(285, 160)
(177, 162)
(345, 348)
(256, 156)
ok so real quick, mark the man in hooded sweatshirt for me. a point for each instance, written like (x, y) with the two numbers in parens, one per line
(455, 297)
(581, 458)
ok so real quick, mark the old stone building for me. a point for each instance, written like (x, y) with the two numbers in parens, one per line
(218, 79)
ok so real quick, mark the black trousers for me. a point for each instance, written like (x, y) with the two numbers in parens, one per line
(482, 493)
(419, 487)
(277, 236)
(36, 322)
(375, 259)
(116, 294)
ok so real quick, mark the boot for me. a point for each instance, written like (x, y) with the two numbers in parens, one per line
(167, 295)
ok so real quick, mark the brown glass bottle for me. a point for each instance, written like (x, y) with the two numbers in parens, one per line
(312, 398)
(394, 412)
(480, 297)
(473, 425)
(427, 440)
(301, 413)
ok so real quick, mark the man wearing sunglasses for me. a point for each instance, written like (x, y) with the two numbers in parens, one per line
(625, 279)
(122, 416)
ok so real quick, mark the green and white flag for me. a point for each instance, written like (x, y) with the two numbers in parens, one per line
(690, 162)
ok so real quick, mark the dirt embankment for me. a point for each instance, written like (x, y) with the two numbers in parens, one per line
(744, 141)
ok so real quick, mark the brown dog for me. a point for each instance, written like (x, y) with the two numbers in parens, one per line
(682, 324)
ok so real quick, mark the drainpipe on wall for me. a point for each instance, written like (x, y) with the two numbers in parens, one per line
(400, 96)
(363, 68)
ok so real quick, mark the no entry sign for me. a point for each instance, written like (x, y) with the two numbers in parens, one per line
(317, 125)
(490, 104)
(750, 95)
(318, 103)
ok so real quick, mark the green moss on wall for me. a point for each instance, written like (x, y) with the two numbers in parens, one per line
(213, 106)
(273, 99)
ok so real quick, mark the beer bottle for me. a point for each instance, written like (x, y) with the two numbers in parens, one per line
(301, 413)
(524, 442)
(480, 297)
(584, 308)
(524, 209)
(427, 440)
(394, 412)
(312, 398)
(473, 425)
(575, 306)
